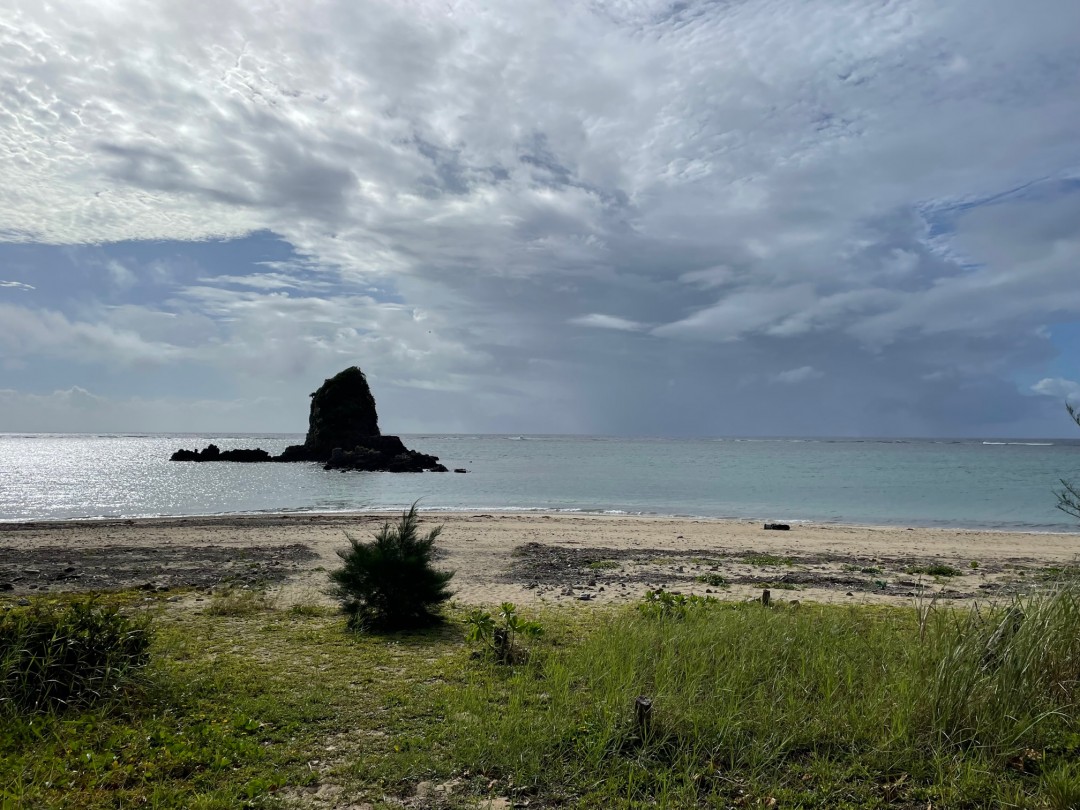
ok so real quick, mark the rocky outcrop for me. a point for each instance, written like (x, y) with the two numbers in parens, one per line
(343, 434)
(386, 453)
(213, 453)
(342, 415)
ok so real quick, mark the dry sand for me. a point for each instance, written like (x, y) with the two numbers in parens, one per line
(541, 558)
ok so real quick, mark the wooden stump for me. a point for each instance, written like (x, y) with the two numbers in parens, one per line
(642, 715)
(766, 597)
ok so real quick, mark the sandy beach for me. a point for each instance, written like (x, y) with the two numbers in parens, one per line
(540, 558)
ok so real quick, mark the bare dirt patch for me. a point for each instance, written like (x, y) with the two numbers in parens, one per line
(584, 571)
(75, 569)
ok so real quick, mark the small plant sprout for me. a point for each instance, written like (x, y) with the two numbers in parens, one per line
(501, 640)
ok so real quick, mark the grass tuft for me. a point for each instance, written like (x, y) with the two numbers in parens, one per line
(716, 580)
(68, 655)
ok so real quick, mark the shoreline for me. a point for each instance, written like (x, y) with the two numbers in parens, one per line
(537, 559)
(16, 524)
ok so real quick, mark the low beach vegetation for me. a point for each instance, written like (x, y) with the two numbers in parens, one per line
(390, 583)
(716, 580)
(56, 656)
(1069, 494)
(815, 706)
(501, 637)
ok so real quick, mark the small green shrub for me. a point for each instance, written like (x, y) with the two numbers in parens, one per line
(389, 583)
(716, 580)
(501, 640)
(664, 604)
(934, 570)
(68, 656)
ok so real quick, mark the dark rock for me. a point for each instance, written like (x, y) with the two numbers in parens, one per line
(214, 453)
(382, 453)
(7, 586)
(342, 416)
(460, 470)
(780, 527)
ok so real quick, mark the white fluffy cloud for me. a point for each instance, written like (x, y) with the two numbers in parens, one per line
(1059, 388)
(871, 191)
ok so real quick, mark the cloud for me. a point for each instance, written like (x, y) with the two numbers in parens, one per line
(15, 285)
(29, 333)
(78, 410)
(797, 375)
(608, 322)
(1059, 388)
(878, 192)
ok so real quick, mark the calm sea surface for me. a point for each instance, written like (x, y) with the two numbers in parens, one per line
(962, 483)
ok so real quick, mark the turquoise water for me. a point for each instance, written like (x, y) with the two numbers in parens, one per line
(916, 482)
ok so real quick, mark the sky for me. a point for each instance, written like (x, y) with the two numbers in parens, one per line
(724, 218)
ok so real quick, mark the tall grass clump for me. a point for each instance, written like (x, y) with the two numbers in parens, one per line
(747, 697)
(69, 655)
(1000, 681)
(389, 583)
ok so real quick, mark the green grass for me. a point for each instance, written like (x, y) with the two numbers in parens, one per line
(1057, 573)
(716, 580)
(65, 655)
(815, 707)
(767, 560)
(240, 602)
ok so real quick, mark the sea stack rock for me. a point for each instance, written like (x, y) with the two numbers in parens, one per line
(342, 414)
(343, 434)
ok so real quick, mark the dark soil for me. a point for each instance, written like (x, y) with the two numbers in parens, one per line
(147, 567)
(536, 565)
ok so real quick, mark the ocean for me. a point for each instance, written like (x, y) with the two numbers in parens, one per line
(963, 483)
